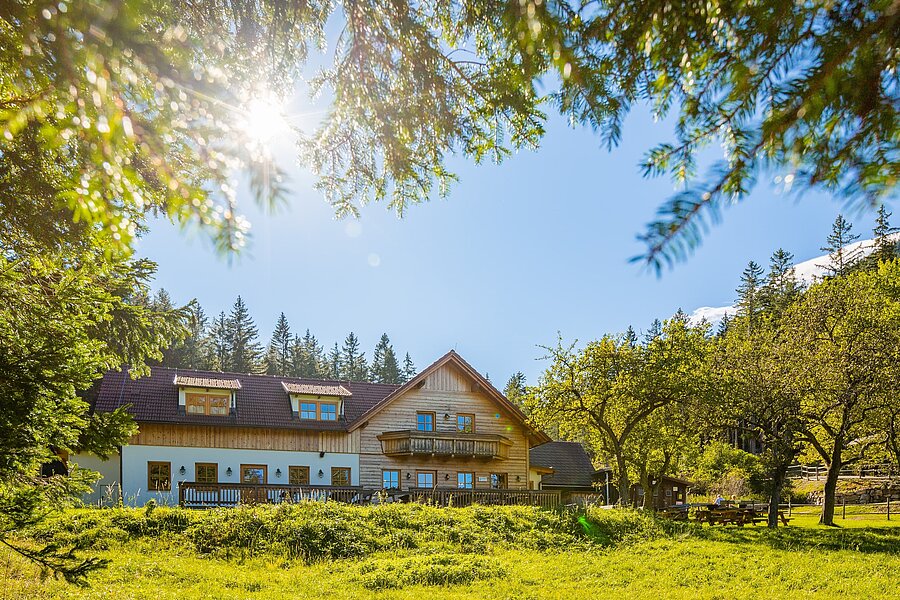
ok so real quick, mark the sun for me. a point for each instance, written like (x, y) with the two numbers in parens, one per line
(263, 119)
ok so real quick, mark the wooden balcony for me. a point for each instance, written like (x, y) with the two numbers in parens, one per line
(465, 497)
(209, 495)
(451, 444)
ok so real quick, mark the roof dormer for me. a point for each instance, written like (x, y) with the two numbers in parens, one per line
(206, 395)
(316, 402)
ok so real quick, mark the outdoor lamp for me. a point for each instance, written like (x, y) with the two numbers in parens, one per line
(277, 472)
(408, 475)
(228, 471)
(446, 416)
(182, 470)
(447, 477)
(321, 473)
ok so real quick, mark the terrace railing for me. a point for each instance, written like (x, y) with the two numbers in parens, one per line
(208, 495)
(444, 444)
(465, 497)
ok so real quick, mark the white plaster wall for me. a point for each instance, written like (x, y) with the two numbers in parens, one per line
(106, 489)
(135, 459)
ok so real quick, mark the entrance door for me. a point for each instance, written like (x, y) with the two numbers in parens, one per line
(258, 475)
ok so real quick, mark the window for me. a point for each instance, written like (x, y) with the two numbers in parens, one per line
(254, 473)
(425, 421)
(207, 404)
(298, 475)
(206, 473)
(340, 476)
(328, 411)
(159, 476)
(465, 480)
(498, 481)
(390, 480)
(307, 410)
(425, 479)
(465, 423)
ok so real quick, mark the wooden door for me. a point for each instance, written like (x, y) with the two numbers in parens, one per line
(254, 474)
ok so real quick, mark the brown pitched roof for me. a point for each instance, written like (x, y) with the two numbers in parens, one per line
(572, 467)
(207, 382)
(466, 368)
(261, 400)
(316, 389)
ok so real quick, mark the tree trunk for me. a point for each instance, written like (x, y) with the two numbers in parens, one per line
(831, 480)
(778, 477)
(624, 484)
(647, 501)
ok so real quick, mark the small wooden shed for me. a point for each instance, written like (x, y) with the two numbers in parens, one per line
(672, 491)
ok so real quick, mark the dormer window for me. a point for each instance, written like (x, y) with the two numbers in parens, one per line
(316, 402)
(328, 411)
(215, 404)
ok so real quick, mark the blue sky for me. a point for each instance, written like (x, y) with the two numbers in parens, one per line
(518, 252)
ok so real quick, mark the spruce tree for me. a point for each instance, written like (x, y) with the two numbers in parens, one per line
(724, 323)
(335, 366)
(749, 301)
(631, 339)
(409, 369)
(515, 387)
(355, 367)
(307, 357)
(278, 355)
(193, 351)
(654, 331)
(885, 244)
(841, 259)
(244, 349)
(218, 343)
(385, 368)
(781, 287)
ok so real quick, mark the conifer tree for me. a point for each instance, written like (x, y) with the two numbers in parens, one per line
(355, 367)
(654, 331)
(885, 244)
(218, 343)
(278, 356)
(409, 369)
(724, 324)
(192, 352)
(749, 302)
(307, 357)
(630, 337)
(515, 388)
(385, 367)
(244, 349)
(781, 287)
(335, 367)
(841, 259)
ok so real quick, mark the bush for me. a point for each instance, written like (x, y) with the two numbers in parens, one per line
(315, 531)
(723, 469)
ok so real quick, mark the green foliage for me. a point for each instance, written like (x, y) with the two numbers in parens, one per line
(384, 367)
(722, 469)
(428, 570)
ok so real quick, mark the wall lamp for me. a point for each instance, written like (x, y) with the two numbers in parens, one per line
(277, 472)
(321, 455)
(182, 470)
(447, 477)
(446, 416)
(321, 473)
(408, 475)
(228, 471)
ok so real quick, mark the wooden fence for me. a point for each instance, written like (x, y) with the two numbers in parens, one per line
(817, 472)
(464, 497)
(207, 495)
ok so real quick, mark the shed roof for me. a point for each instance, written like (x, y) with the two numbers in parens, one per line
(572, 467)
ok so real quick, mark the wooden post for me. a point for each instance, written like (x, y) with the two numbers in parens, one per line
(889, 508)
(789, 506)
(844, 508)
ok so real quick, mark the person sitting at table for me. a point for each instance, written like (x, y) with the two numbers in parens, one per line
(718, 501)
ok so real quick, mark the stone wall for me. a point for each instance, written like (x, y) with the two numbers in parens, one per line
(862, 491)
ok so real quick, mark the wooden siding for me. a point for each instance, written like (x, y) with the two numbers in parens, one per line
(247, 438)
(446, 391)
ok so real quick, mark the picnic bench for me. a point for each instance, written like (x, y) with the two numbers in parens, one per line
(739, 516)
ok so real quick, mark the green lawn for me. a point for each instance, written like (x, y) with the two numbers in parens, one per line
(801, 561)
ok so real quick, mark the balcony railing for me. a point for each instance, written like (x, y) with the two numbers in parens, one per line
(445, 444)
(207, 495)
(465, 497)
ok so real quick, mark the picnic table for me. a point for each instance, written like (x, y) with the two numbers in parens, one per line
(729, 515)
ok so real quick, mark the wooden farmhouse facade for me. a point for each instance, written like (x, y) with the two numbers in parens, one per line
(208, 438)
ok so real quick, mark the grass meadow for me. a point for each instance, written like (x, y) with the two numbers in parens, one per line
(412, 552)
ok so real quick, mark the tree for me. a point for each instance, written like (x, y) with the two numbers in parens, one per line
(241, 337)
(769, 79)
(885, 238)
(515, 388)
(841, 258)
(278, 355)
(307, 357)
(384, 368)
(193, 351)
(749, 301)
(354, 366)
(781, 287)
(218, 343)
(335, 366)
(845, 345)
(603, 393)
(409, 369)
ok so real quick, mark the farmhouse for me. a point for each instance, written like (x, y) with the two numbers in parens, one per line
(209, 438)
